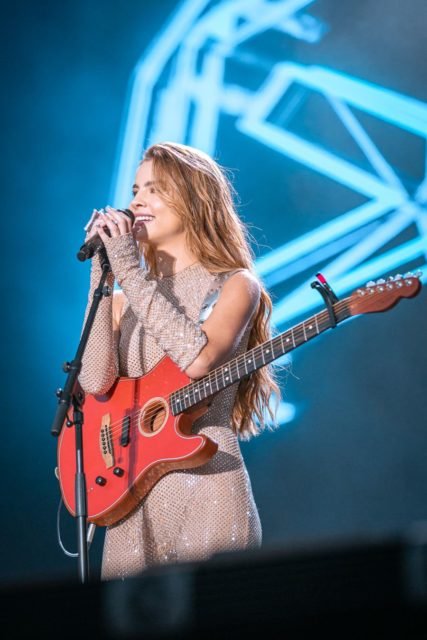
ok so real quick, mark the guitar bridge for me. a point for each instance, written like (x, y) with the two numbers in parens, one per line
(106, 441)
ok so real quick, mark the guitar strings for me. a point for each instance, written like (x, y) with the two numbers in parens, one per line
(117, 427)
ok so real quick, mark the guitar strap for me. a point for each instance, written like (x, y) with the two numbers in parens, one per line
(213, 294)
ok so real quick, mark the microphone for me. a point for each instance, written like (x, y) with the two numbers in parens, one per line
(90, 247)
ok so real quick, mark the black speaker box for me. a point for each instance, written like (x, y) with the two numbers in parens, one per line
(357, 586)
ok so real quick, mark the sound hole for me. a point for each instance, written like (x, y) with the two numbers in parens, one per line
(153, 417)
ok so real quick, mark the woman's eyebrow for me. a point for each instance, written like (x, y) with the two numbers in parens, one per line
(147, 184)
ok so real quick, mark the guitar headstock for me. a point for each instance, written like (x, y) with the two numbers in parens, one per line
(382, 295)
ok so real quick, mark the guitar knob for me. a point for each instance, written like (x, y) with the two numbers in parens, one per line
(118, 471)
(101, 480)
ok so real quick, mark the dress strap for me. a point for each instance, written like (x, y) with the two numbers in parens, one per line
(213, 294)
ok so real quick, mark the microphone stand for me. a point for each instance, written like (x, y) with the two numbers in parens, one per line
(71, 394)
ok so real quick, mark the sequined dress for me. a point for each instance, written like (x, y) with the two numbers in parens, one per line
(190, 514)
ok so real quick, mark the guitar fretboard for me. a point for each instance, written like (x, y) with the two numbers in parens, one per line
(245, 364)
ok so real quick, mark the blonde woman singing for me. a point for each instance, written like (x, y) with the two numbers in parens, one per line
(191, 242)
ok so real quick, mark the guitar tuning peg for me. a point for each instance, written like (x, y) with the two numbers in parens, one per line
(398, 276)
(408, 274)
(390, 278)
(371, 283)
(381, 281)
(418, 273)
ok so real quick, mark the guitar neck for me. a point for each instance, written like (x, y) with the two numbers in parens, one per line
(245, 364)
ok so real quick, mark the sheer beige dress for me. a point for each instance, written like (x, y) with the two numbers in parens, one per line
(188, 515)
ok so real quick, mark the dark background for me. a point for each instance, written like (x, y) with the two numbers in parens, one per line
(353, 462)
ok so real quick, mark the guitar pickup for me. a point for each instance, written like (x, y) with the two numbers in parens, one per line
(125, 437)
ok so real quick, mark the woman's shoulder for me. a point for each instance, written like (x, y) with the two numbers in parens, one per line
(243, 276)
(242, 281)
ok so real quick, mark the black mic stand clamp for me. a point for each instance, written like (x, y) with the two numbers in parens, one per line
(328, 295)
(72, 394)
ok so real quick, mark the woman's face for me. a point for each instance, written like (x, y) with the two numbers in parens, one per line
(155, 222)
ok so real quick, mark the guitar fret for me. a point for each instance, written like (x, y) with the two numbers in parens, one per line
(228, 375)
(317, 326)
(217, 385)
(200, 390)
(190, 393)
(239, 370)
(208, 388)
(293, 339)
(250, 360)
(305, 335)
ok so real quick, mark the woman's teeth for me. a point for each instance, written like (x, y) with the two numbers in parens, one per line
(143, 219)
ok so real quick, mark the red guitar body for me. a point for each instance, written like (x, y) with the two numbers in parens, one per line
(130, 440)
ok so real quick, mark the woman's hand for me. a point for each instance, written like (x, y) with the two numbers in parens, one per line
(90, 228)
(108, 223)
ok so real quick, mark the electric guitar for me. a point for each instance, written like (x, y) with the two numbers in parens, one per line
(141, 429)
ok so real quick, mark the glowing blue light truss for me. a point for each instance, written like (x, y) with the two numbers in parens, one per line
(179, 94)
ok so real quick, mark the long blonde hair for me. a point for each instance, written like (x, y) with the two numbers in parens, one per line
(197, 189)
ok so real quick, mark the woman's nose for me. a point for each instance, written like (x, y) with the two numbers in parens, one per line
(138, 200)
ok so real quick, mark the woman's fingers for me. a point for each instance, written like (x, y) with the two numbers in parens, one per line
(107, 223)
(107, 228)
(123, 222)
(91, 226)
(110, 223)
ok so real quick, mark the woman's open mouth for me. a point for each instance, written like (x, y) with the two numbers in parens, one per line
(141, 220)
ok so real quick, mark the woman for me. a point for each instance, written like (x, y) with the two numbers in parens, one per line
(192, 243)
